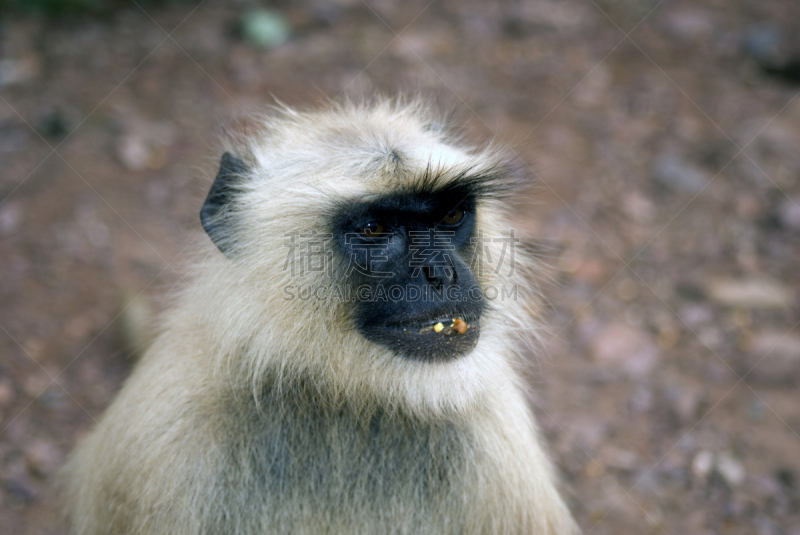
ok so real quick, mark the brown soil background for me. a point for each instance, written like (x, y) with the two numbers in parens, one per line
(666, 201)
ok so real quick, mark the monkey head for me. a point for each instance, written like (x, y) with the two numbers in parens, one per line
(360, 249)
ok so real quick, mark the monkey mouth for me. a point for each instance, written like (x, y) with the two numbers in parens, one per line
(444, 324)
(433, 340)
(447, 326)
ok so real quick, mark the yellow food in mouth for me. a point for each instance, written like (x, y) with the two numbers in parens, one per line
(458, 326)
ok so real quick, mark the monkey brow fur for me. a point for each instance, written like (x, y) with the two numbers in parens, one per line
(497, 180)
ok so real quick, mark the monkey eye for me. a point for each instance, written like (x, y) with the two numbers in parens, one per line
(373, 229)
(454, 216)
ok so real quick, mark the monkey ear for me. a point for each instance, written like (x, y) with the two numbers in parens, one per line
(224, 188)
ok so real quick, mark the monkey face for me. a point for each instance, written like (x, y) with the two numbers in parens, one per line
(407, 257)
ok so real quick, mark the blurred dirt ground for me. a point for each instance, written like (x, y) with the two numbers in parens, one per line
(664, 140)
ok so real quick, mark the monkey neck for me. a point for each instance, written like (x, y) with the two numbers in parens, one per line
(305, 442)
(309, 398)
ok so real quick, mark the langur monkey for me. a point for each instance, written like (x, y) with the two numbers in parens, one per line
(338, 365)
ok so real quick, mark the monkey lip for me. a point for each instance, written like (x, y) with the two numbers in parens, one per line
(419, 339)
(429, 325)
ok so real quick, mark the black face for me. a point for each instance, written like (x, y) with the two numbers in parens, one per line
(407, 259)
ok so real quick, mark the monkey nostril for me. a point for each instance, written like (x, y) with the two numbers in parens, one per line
(439, 275)
(450, 272)
(432, 278)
